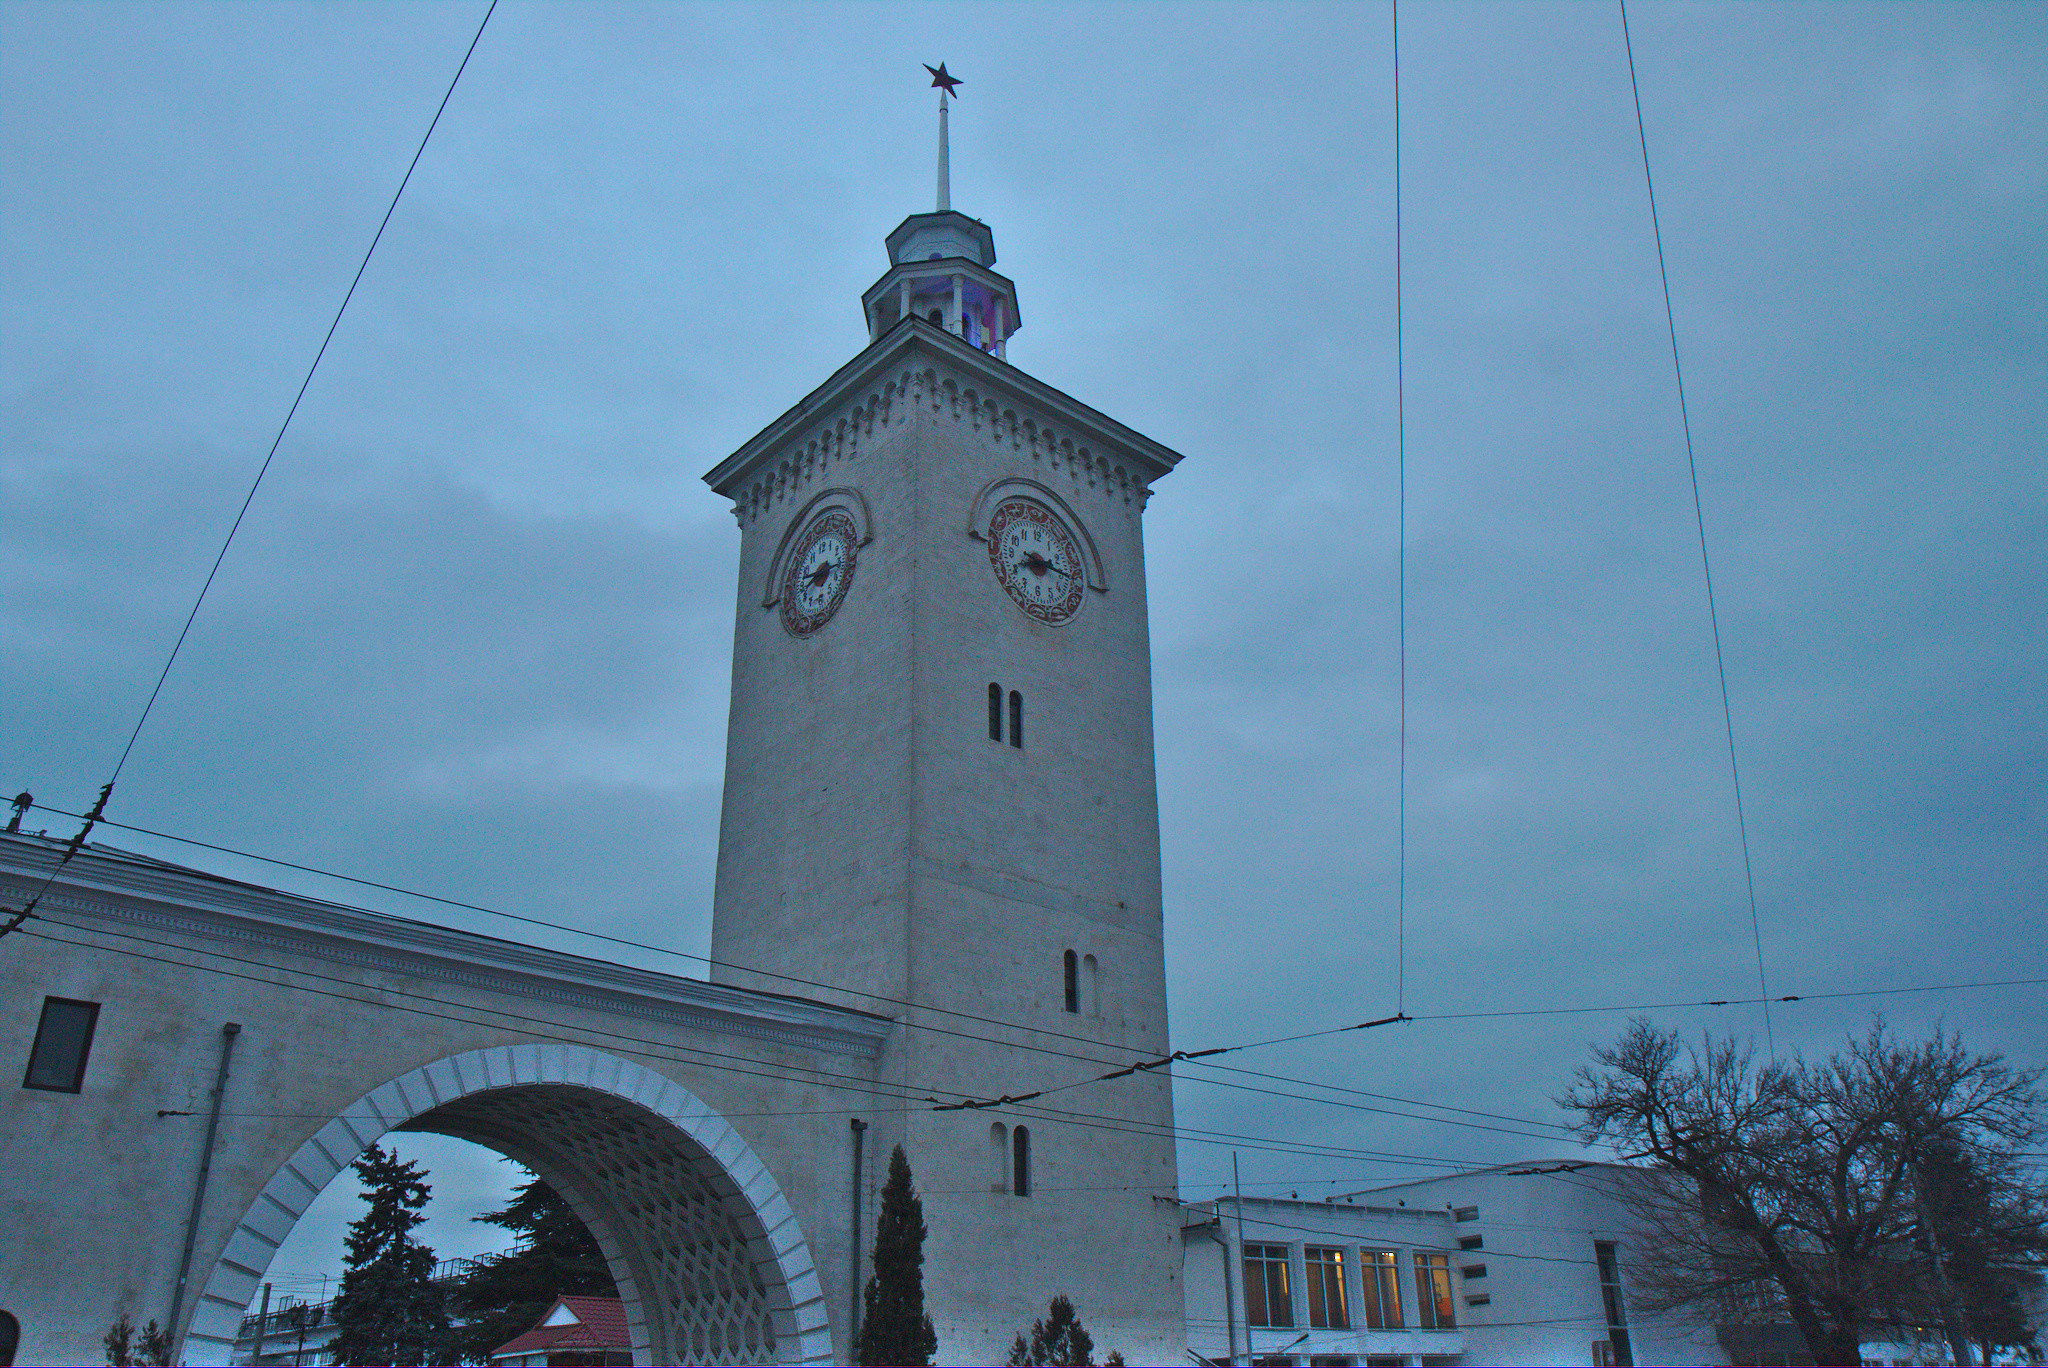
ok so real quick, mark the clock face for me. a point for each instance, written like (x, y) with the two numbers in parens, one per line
(1036, 560)
(820, 571)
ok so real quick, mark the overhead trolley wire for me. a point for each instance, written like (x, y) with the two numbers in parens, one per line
(28, 908)
(1700, 519)
(807, 983)
(630, 1045)
(1401, 481)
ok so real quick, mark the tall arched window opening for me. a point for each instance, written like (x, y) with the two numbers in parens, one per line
(995, 712)
(1020, 1161)
(1017, 719)
(1091, 992)
(1073, 978)
(999, 1156)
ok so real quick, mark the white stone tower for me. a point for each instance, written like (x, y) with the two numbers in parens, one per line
(940, 792)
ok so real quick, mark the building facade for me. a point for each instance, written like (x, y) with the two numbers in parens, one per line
(937, 896)
(1522, 1264)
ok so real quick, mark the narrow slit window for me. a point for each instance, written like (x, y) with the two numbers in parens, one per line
(1091, 990)
(56, 1062)
(1073, 979)
(1017, 719)
(1020, 1161)
(995, 712)
(999, 1151)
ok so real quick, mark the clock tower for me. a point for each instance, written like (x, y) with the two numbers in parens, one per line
(940, 802)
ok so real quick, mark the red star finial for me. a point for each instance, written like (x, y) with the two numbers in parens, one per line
(942, 80)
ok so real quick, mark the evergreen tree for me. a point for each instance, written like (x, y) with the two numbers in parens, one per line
(508, 1293)
(125, 1349)
(894, 1328)
(1057, 1341)
(388, 1309)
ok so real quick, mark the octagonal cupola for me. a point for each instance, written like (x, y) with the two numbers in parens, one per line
(939, 271)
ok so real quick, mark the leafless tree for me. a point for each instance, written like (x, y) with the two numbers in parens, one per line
(1788, 1192)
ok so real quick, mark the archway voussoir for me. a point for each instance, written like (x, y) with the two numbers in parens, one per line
(339, 1142)
(728, 1148)
(672, 1100)
(233, 1286)
(246, 1250)
(301, 1178)
(414, 1092)
(746, 1171)
(551, 1064)
(605, 1071)
(444, 1078)
(526, 1063)
(497, 1066)
(217, 1321)
(389, 1103)
(269, 1221)
(805, 1287)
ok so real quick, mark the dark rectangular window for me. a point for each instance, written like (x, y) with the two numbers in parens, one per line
(1472, 1242)
(1470, 1213)
(63, 1040)
(995, 712)
(1017, 719)
(1433, 1305)
(1610, 1301)
(1073, 977)
(1471, 1271)
(1268, 1295)
(1326, 1306)
(1382, 1289)
(1020, 1161)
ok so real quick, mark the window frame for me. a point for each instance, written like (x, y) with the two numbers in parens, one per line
(1436, 1301)
(87, 1036)
(1271, 1260)
(995, 712)
(1380, 1274)
(1322, 1269)
(1070, 964)
(1607, 1260)
(1016, 720)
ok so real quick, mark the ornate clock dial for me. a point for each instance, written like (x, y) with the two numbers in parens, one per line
(1036, 560)
(820, 570)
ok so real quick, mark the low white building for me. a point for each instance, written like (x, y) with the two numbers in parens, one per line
(1523, 1264)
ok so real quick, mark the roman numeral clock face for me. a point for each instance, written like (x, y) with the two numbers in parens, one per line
(1036, 560)
(820, 571)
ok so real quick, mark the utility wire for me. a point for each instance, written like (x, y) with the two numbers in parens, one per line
(28, 908)
(1197, 1057)
(536, 1028)
(1700, 518)
(1401, 465)
(304, 385)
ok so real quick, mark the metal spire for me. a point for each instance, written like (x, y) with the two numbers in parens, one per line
(945, 83)
(945, 179)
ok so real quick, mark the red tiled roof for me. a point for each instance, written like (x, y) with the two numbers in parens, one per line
(600, 1324)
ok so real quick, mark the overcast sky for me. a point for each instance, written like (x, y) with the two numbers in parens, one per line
(474, 637)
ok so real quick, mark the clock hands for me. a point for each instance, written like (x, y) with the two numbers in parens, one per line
(817, 577)
(1038, 565)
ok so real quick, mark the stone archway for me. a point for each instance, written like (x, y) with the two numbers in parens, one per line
(707, 1254)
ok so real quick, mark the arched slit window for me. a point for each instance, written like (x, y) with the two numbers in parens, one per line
(1020, 1161)
(1073, 982)
(1017, 719)
(999, 1156)
(1091, 993)
(995, 712)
